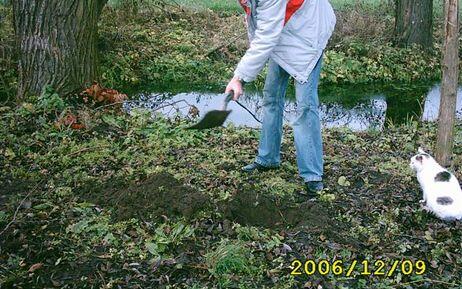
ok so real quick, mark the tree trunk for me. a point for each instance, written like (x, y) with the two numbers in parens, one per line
(413, 24)
(56, 41)
(450, 67)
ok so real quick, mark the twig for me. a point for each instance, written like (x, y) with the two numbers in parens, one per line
(112, 104)
(85, 149)
(172, 104)
(282, 216)
(101, 275)
(197, 266)
(225, 44)
(409, 236)
(17, 209)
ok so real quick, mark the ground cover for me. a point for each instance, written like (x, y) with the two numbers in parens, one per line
(131, 201)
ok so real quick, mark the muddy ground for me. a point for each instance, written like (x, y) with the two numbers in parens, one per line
(163, 196)
(160, 195)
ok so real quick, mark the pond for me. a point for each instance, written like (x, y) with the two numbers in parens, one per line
(358, 107)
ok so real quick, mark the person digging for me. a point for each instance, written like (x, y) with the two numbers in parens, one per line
(291, 36)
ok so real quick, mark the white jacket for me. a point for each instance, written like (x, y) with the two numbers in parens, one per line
(296, 45)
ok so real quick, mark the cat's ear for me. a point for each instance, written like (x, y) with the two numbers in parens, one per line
(421, 151)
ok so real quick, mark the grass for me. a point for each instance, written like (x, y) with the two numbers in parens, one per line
(215, 5)
(228, 258)
(233, 6)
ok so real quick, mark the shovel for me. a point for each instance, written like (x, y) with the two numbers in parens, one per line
(216, 118)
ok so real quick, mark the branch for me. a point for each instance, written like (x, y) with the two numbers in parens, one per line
(224, 44)
(17, 209)
(171, 104)
(85, 149)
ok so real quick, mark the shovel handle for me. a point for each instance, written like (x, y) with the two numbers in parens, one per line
(227, 99)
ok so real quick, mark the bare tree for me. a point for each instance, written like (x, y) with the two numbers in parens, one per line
(414, 20)
(450, 67)
(56, 40)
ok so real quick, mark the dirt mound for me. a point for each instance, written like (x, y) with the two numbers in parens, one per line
(160, 194)
(248, 208)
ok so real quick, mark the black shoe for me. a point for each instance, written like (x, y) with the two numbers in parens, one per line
(313, 188)
(257, 167)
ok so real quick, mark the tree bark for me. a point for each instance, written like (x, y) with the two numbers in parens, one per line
(56, 40)
(414, 21)
(450, 67)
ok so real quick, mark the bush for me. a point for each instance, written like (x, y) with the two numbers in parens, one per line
(363, 63)
(8, 72)
(194, 48)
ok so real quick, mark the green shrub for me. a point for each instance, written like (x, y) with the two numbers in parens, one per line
(8, 71)
(363, 63)
(164, 50)
(228, 259)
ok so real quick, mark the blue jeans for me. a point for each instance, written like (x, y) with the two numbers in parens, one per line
(307, 125)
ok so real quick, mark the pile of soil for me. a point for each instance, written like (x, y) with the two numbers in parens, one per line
(159, 194)
(249, 208)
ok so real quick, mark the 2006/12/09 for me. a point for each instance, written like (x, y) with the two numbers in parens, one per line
(338, 267)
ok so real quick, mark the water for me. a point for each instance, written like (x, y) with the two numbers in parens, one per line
(432, 104)
(356, 107)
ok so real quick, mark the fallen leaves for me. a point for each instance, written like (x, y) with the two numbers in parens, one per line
(69, 119)
(193, 111)
(97, 95)
(102, 95)
(35, 267)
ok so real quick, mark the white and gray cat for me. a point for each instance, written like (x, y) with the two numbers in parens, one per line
(442, 194)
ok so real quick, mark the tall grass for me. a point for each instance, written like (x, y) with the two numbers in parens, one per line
(215, 5)
(233, 6)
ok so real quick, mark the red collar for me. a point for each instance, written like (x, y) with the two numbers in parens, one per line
(291, 8)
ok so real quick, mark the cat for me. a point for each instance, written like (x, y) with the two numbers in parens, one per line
(442, 194)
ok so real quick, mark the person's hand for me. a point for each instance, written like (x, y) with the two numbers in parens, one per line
(235, 86)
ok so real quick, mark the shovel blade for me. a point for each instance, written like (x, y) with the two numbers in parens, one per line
(212, 119)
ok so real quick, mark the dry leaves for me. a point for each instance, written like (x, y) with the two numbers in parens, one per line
(69, 120)
(99, 94)
(35, 267)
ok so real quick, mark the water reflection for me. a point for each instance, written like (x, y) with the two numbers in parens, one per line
(370, 113)
(432, 104)
(358, 108)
